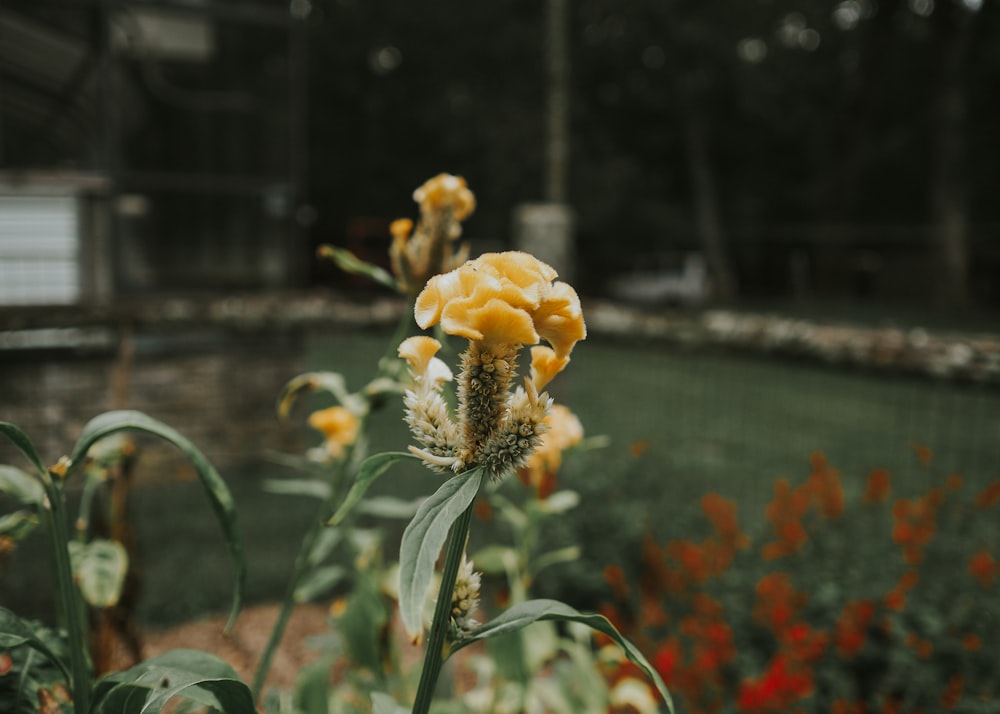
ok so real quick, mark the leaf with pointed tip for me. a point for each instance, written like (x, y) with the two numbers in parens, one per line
(350, 263)
(523, 614)
(332, 382)
(215, 487)
(198, 676)
(423, 539)
(15, 632)
(17, 437)
(20, 485)
(371, 468)
(319, 582)
(389, 507)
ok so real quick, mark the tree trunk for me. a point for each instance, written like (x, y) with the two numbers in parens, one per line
(947, 119)
(706, 205)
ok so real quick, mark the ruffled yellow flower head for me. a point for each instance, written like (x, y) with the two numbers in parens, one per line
(499, 302)
(339, 428)
(416, 255)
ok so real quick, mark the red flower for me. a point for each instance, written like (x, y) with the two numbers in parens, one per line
(777, 689)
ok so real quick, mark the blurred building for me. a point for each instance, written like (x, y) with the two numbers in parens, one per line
(149, 147)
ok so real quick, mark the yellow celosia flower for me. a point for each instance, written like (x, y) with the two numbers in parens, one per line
(504, 299)
(339, 428)
(418, 253)
(446, 192)
(499, 302)
(426, 410)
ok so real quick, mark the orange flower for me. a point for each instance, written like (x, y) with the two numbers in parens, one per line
(954, 482)
(851, 629)
(972, 642)
(953, 692)
(924, 454)
(615, 577)
(990, 495)
(878, 488)
(895, 599)
(721, 512)
(984, 568)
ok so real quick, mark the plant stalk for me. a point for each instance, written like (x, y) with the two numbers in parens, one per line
(288, 603)
(68, 599)
(434, 655)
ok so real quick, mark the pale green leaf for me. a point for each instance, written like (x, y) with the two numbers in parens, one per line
(423, 539)
(371, 468)
(384, 704)
(350, 263)
(523, 614)
(559, 502)
(18, 525)
(311, 488)
(495, 559)
(215, 488)
(17, 437)
(99, 568)
(319, 582)
(389, 507)
(22, 486)
(331, 382)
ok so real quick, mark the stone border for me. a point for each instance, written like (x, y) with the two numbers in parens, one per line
(919, 351)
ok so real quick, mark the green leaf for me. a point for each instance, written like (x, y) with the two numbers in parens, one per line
(319, 582)
(18, 525)
(24, 487)
(332, 382)
(371, 468)
(298, 487)
(559, 502)
(563, 555)
(523, 614)
(350, 263)
(15, 632)
(389, 507)
(495, 560)
(23, 444)
(326, 541)
(384, 704)
(423, 539)
(191, 674)
(99, 568)
(215, 488)
(362, 625)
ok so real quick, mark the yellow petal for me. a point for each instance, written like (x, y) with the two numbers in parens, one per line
(495, 322)
(559, 319)
(545, 365)
(418, 351)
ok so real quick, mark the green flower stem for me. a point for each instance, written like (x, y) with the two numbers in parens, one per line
(434, 655)
(301, 568)
(287, 605)
(70, 604)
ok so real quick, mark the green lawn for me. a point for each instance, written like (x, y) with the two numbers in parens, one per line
(710, 422)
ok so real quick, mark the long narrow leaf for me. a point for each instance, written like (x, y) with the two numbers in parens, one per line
(350, 263)
(423, 539)
(371, 469)
(215, 488)
(23, 444)
(15, 632)
(523, 614)
(332, 382)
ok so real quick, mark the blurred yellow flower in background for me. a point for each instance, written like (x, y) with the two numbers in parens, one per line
(562, 430)
(339, 428)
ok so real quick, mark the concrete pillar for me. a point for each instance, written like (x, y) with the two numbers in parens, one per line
(546, 231)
